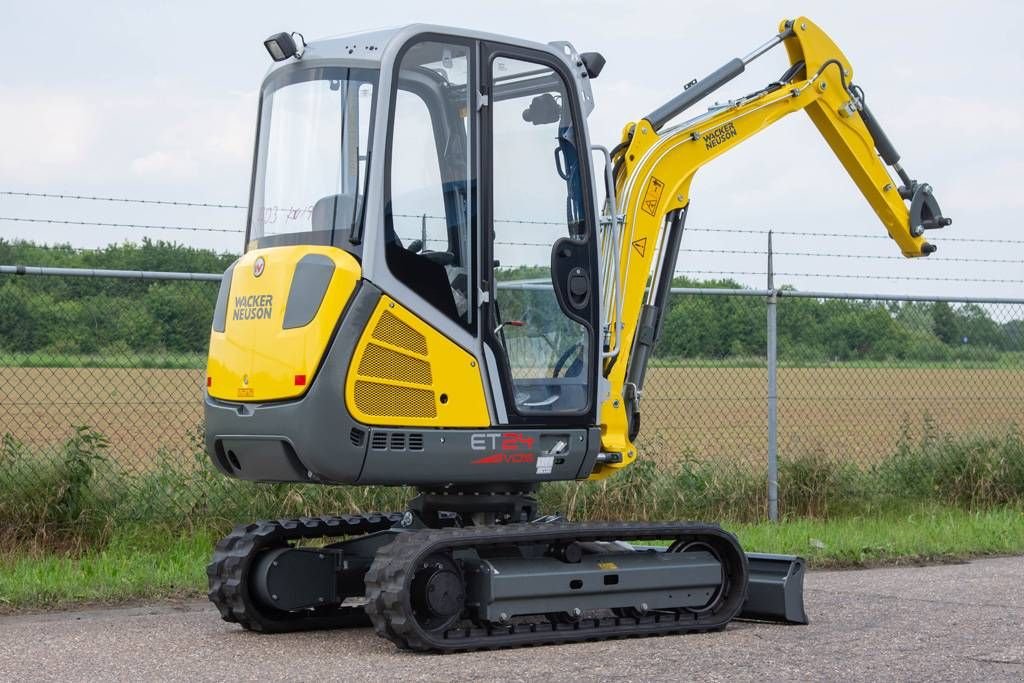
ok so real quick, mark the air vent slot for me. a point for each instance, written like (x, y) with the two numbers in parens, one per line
(379, 441)
(383, 363)
(356, 436)
(415, 442)
(393, 331)
(397, 441)
(387, 400)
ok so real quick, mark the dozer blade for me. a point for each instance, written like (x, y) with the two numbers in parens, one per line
(776, 589)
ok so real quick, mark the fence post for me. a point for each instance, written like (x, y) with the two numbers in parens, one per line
(773, 416)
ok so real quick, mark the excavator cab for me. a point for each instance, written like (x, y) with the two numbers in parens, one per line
(421, 258)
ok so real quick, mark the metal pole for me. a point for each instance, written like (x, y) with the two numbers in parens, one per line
(100, 272)
(773, 416)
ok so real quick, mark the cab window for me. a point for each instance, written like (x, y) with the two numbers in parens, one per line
(428, 213)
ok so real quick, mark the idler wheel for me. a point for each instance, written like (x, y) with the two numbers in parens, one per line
(438, 593)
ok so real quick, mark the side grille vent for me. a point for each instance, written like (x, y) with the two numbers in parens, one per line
(396, 442)
(356, 436)
(391, 400)
(393, 376)
(383, 363)
(393, 331)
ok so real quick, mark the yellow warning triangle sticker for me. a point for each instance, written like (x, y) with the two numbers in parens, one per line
(640, 245)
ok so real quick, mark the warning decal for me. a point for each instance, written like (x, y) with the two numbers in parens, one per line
(652, 196)
(640, 245)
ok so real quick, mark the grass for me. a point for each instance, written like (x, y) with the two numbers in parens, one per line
(1003, 360)
(137, 564)
(80, 495)
(78, 528)
(931, 534)
(133, 565)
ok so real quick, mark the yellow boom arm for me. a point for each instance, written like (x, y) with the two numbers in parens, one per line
(654, 169)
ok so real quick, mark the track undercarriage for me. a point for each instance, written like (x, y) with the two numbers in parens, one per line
(467, 572)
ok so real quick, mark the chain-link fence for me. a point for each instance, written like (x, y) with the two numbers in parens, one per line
(878, 400)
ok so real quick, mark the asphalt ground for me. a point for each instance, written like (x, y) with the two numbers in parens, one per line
(951, 622)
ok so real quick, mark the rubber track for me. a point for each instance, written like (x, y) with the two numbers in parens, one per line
(233, 558)
(388, 580)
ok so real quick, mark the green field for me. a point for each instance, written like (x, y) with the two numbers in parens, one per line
(113, 359)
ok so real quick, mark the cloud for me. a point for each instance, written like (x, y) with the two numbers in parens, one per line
(200, 135)
(77, 138)
(174, 163)
(45, 135)
(967, 118)
(990, 186)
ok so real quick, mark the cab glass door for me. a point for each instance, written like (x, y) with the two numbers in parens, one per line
(542, 313)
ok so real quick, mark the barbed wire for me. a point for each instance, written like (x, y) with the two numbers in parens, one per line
(522, 221)
(514, 221)
(764, 252)
(850, 235)
(750, 252)
(141, 226)
(757, 252)
(124, 200)
(743, 231)
(864, 276)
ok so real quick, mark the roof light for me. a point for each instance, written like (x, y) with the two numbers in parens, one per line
(281, 46)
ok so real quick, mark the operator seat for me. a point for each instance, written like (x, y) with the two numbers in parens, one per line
(427, 277)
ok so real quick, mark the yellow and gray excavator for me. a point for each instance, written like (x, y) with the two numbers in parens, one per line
(439, 290)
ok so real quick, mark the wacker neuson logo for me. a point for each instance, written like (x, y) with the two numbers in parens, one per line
(253, 307)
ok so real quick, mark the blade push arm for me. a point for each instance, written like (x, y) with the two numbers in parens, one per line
(654, 167)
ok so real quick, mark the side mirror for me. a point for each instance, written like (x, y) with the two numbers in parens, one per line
(593, 62)
(543, 109)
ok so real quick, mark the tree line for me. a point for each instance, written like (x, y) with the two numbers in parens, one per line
(824, 330)
(86, 315)
(93, 315)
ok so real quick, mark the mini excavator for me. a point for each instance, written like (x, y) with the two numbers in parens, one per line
(436, 292)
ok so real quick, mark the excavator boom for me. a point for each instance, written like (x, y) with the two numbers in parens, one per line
(654, 166)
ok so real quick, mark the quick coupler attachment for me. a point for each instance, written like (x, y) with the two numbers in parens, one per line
(776, 589)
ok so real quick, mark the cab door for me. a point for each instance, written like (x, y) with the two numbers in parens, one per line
(539, 250)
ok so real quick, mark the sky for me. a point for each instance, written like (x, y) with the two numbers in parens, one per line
(157, 100)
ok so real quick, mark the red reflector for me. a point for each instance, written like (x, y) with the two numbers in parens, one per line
(209, 381)
(300, 380)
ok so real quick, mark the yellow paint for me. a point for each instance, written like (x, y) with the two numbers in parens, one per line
(255, 359)
(660, 168)
(451, 396)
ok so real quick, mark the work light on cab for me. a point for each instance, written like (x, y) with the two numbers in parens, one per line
(281, 46)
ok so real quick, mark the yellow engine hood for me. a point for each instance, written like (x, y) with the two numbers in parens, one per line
(265, 353)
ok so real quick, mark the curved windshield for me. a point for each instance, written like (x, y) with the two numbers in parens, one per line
(314, 133)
